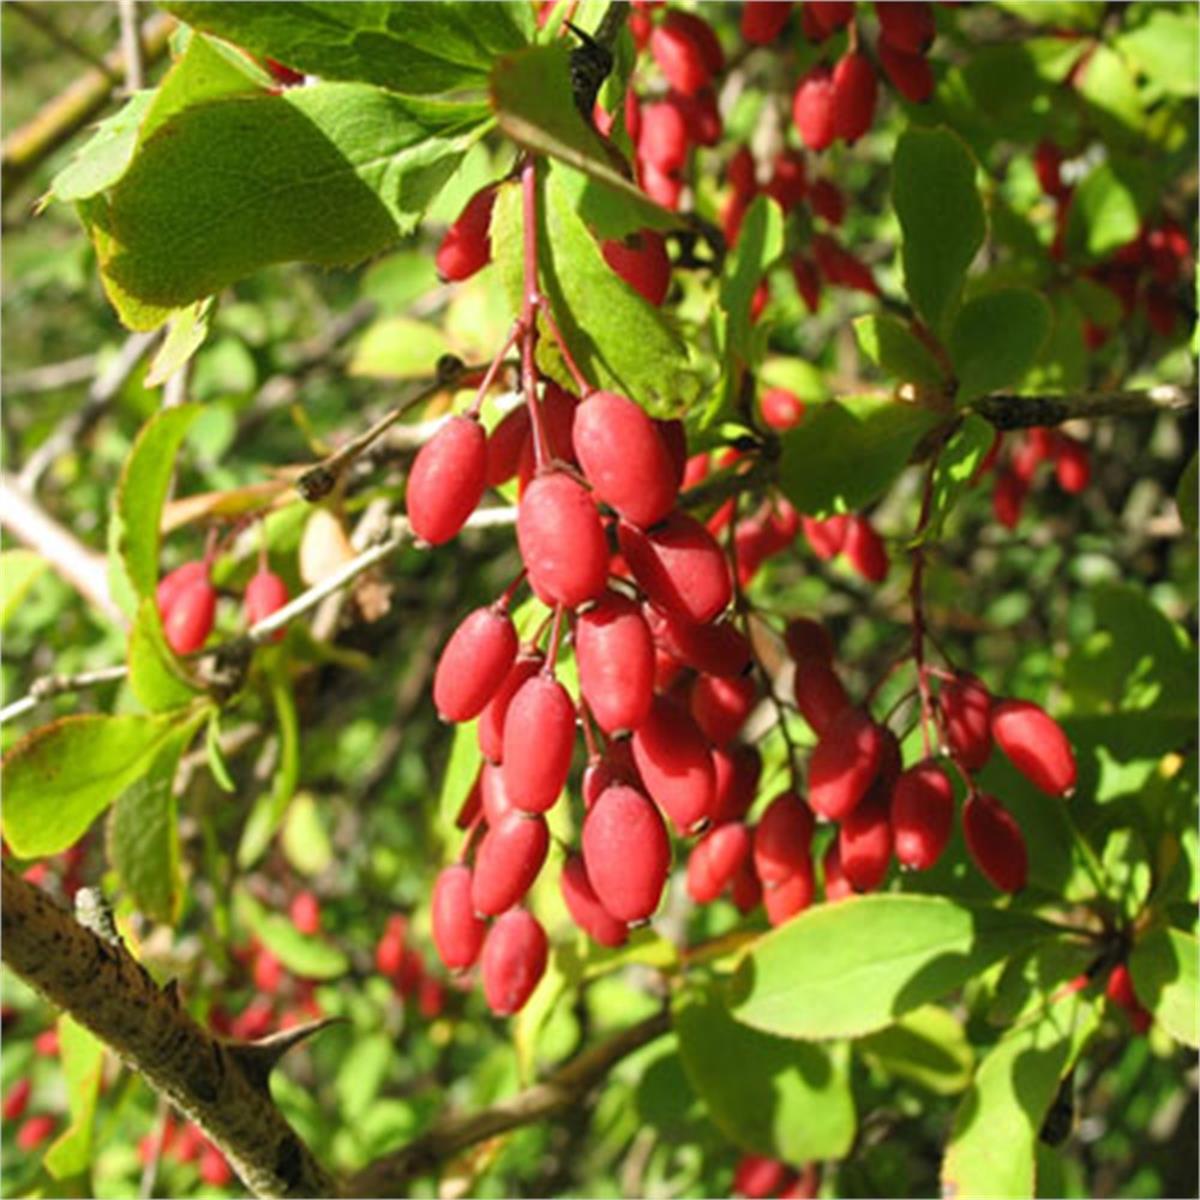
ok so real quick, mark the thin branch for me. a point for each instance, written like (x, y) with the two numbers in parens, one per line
(221, 1085)
(55, 685)
(39, 20)
(51, 377)
(84, 569)
(131, 48)
(1022, 412)
(452, 1134)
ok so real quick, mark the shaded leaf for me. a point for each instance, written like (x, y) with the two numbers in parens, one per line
(19, 571)
(82, 1057)
(1165, 963)
(155, 674)
(927, 1046)
(1104, 214)
(759, 244)
(892, 346)
(956, 466)
(996, 338)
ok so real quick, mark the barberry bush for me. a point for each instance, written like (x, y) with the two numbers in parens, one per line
(600, 599)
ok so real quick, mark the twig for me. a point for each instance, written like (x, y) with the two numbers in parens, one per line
(51, 377)
(55, 685)
(221, 1085)
(131, 49)
(37, 18)
(452, 1134)
(84, 569)
(67, 434)
(1006, 411)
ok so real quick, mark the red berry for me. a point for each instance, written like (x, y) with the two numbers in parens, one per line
(305, 913)
(174, 582)
(741, 173)
(389, 950)
(745, 890)
(214, 1169)
(663, 143)
(909, 74)
(506, 444)
(615, 655)
(539, 739)
(447, 480)
(514, 960)
(1119, 990)
(967, 714)
(493, 796)
(626, 852)
(491, 721)
(663, 187)
(190, 618)
(1008, 497)
(265, 594)
(474, 664)
(839, 266)
(1072, 466)
(735, 774)
(783, 840)
(791, 896)
(763, 20)
(717, 649)
(825, 536)
(674, 437)
(687, 51)
(466, 248)
(808, 282)
(585, 908)
(1036, 745)
(865, 844)
(780, 408)
(457, 931)
(679, 566)
(922, 815)
(641, 260)
(854, 90)
(828, 16)
(720, 706)
(45, 1045)
(819, 694)
(808, 639)
(814, 108)
(508, 861)
(995, 842)
(827, 202)
(673, 760)
(865, 550)
(906, 24)
(757, 1178)
(1047, 163)
(431, 997)
(16, 1101)
(715, 859)
(624, 458)
(789, 180)
(837, 886)
(268, 971)
(844, 764)
(700, 115)
(35, 1131)
(562, 541)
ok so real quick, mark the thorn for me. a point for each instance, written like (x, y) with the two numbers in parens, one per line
(257, 1059)
(171, 992)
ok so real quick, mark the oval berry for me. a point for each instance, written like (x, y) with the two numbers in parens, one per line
(745, 890)
(967, 714)
(720, 706)
(493, 796)
(679, 566)
(865, 844)
(828, 16)
(615, 655)
(783, 839)
(514, 961)
(190, 618)
(715, 859)
(305, 913)
(719, 648)
(474, 664)
(686, 51)
(909, 74)
(673, 760)
(780, 408)
(490, 729)
(854, 90)
(814, 108)
(539, 739)
(825, 537)
(265, 594)
(995, 842)
(837, 886)
(865, 550)
(1034, 742)
(466, 247)
(174, 582)
(641, 261)
(626, 852)
(585, 908)
(922, 815)
(562, 541)
(763, 22)
(506, 444)
(808, 639)
(793, 895)
(447, 480)
(16, 1100)
(844, 764)
(663, 141)
(508, 861)
(457, 931)
(736, 772)
(819, 694)
(755, 1177)
(624, 458)
(827, 202)
(906, 24)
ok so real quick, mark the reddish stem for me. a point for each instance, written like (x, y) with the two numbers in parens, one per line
(494, 368)
(555, 634)
(584, 388)
(529, 305)
(505, 598)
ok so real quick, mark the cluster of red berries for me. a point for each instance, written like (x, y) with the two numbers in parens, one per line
(279, 1002)
(187, 602)
(758, 1178)
(187, 1143)
(1069, 456)
(404, 965)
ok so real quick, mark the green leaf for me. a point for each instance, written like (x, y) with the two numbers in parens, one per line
(106, 156)
(941, 218)
(1029, 981)
(19, 571)
(957, 463)
(419, 49)
(1164, 49)
(1107, 85)
(141, 492)
(844, 454)
(303, 836)
(996, 338)
(927, 1046)
(1103, 216)
(155, 674)
(1164, 968)
(846, 969)
(59, 778)
(619, 341)
(186, 332)
(215, 755)
(782, 1099)
(82, 1057)
(893, 347)
(994, 1139)
(339, 172)
(308, 957)
(534, 104)
(142, 835)
(398, 348)
(1185, 495)
(361, 1074)
(759, 244)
